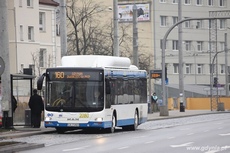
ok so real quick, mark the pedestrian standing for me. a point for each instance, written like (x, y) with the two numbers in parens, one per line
(154, 102)
(37, 106)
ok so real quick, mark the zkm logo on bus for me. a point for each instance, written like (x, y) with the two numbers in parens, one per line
(76, 75)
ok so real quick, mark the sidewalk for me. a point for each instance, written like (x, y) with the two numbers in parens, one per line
(27, 131)
(178, 114)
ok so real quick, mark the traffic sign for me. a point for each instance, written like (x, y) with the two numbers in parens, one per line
(2, 66)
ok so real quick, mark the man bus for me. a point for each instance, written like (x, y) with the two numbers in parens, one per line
(92, 91)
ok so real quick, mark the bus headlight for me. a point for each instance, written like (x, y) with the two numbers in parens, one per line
(47, 119)
(99, 119)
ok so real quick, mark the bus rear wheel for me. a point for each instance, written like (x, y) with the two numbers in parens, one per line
(136, 121)
(134, 126)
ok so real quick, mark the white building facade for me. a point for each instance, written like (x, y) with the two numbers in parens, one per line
(33, 38)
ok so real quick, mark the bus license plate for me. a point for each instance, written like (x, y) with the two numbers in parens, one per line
(72, 124)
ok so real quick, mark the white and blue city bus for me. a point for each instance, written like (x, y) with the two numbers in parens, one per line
(92, 91)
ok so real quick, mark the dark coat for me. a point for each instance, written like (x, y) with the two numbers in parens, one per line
(36, 104)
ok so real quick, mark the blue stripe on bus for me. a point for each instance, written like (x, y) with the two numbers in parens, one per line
(94, 124)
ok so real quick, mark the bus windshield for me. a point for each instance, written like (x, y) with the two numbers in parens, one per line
(75, 96)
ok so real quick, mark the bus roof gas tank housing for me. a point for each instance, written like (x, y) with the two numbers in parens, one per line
(97, 61)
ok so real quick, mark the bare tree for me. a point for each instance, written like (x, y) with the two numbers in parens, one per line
(88, 35)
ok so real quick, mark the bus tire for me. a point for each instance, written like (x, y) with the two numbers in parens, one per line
(112, 128)
(136, 122)
(134, 126)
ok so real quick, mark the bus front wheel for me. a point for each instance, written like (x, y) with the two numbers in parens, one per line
(112, 128)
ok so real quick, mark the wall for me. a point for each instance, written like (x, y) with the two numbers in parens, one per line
(198, 103)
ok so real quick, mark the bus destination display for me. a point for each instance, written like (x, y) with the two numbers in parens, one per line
(74, 75)
(71, 75)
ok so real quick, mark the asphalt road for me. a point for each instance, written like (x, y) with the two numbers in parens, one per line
(206, 134)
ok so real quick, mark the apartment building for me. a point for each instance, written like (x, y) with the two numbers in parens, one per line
(196, 36)
(34, 41)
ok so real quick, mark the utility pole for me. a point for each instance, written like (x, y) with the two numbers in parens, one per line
(63, 34)
(181, 71)
(226, 64)
(135, 36)
(115, 24)
(5, 77)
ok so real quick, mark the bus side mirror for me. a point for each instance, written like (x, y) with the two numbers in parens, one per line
(40, 81)
(108, 88)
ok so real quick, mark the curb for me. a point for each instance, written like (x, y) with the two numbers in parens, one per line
(20, 147)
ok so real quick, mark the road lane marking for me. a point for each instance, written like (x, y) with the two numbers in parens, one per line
(125, 147)
(149, 142)
(220, 128)
(139, 137)
(72, 149)
(171, 137)
(185, 129)
(182, 145)
(226, 134)
(206, 131)
(190, 134)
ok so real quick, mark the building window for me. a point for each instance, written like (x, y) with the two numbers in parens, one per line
(42, 57)
(187, 23)
(30, 3)
(175, 19)
(222, 3)
(20, 3)
(199, 45)
(199, 2)
(175, 45)
(199, 68)
(163, 21)
(21, 32)
(188, 45)
(209, 24)
(58, 29)
(222, 46)
(41, 21)
(31, 33)
(31, 66)
(175, 68)
(210, 2)
(162, 1)
(187, 2)
(199, 25)
(222, 68)
(222, 23)
(175, 1)
(188, 68)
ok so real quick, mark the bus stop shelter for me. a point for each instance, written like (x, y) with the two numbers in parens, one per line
(8, 120)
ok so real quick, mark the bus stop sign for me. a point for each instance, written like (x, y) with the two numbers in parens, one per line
(2, 66)
(154, 74)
